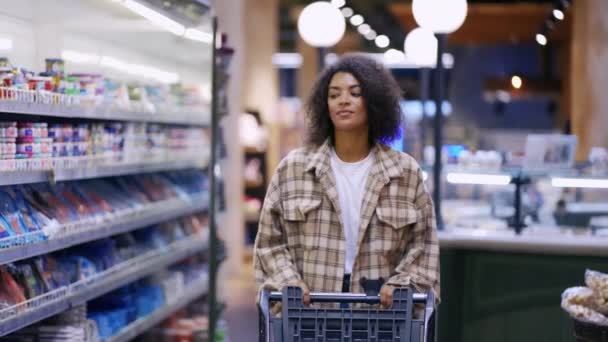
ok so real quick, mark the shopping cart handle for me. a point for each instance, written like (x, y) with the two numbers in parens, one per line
(331, 297)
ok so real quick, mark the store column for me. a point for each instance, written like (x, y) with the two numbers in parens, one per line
(260, 82)
(231, 18)
(589, 75)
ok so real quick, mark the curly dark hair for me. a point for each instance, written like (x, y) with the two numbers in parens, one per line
(379, 89)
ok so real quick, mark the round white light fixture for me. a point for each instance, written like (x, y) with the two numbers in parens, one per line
(516, 82)
(541, 39)
(356, 20)
(440, 16)
(393, 56)
(558, 14)
(421, 47)
(371, 35)
(382, 41)
(347, 12)
(338, 3)
(321, 25)
(364, 29)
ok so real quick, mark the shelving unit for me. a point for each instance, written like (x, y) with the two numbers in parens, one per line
(85, 232)
(52, 303)
(34, 106)
(195, 290)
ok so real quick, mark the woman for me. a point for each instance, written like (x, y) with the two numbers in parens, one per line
(346, 207)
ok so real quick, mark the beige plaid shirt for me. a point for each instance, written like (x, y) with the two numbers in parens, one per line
(300, 235)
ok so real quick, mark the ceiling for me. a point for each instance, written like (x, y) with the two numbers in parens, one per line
(488, 21)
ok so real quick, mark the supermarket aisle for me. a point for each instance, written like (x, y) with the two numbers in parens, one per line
(241, 312)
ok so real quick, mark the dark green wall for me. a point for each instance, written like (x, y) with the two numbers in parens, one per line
(507, 297)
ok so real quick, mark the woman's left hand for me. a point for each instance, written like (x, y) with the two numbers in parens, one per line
(386, 296)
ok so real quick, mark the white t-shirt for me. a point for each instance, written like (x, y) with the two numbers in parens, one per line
(350, 183)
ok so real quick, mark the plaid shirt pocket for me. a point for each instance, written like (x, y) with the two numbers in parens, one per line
(393, 229)
(300, 220)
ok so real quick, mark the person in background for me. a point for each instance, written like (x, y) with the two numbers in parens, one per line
(346, 207)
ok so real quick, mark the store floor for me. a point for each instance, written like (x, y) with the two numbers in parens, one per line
(241, 311)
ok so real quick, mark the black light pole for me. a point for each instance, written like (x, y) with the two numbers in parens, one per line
(438, 128)
(425, 74)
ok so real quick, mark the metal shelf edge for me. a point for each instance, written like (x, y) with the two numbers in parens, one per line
(196, 204)
(28, 177)
(76, 112)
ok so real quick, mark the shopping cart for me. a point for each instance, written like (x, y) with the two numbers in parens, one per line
(308, 324)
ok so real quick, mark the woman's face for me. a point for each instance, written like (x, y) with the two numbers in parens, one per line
(346, 105)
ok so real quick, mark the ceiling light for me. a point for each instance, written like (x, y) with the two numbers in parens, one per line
(338, 3)
(199, 35)
(541, 39)
(421, 47)
(321, 25)
(516, 82)
(364, 29)
(394, 56)
(440, 16)
(356, 19)
(371, 35)
(382, 41)
(155, 17)
(558, 14)
(347, 12)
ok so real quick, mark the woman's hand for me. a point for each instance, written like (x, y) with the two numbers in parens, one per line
(386, 296)
(305, 291)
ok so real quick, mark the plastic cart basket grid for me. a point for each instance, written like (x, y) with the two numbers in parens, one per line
(307, 324)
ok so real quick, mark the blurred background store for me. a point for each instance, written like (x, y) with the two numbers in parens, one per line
(131, 183)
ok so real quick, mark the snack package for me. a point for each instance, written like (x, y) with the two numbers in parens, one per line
(78, 205)
(97, 203)
(10, 214)
(10, 292)
(41, 196)
(598, 282)
(77, 267)
(51, 274)
(27, 278)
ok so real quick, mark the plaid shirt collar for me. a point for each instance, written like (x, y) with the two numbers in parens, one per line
(386, 166)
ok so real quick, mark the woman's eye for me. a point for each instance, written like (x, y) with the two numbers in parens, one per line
(355, 94)
(333, 96)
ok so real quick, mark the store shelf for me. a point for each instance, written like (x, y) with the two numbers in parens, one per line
(194, 290)
(89, 231)
(67, 174)
(39, 308)
(100, 113)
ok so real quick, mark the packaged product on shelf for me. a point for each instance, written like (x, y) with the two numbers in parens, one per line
(27, 278)
(10, 215)
(51, 273)
(77, 267)
(10, 292)
(126, 247)
(102, 253)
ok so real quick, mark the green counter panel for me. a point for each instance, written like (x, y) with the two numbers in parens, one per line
(507, 297)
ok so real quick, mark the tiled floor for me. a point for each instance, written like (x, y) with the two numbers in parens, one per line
(241, 311)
